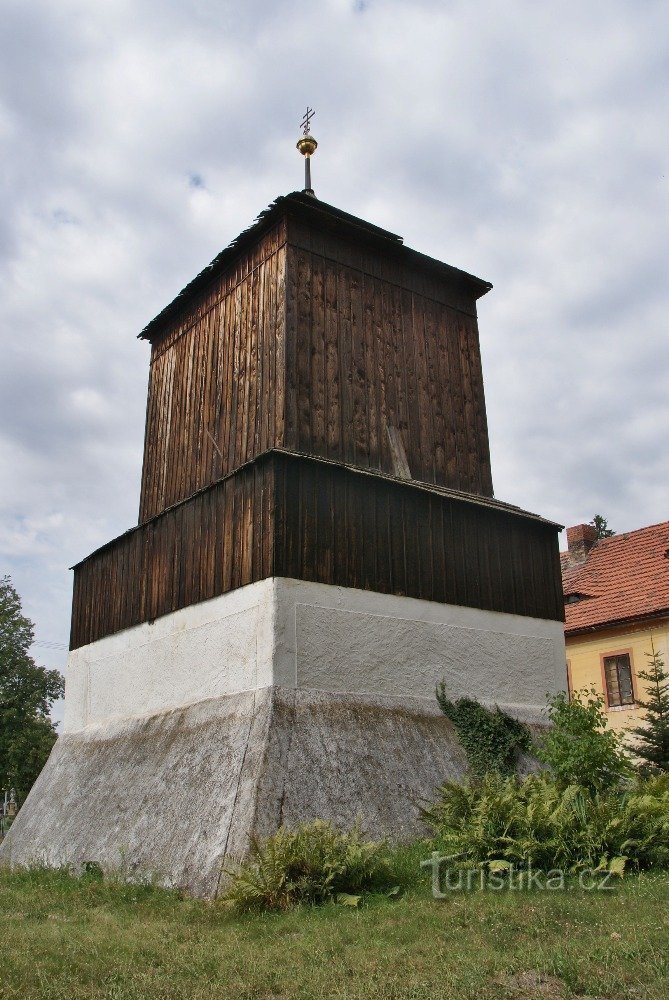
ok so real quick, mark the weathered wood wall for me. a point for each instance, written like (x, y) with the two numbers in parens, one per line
(337, 526)
(379, 345)
(324, 340)
(216, 383)
(283, 515)
(214, 542)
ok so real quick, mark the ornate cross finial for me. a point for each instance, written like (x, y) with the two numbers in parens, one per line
(306, 121)
(307, 145)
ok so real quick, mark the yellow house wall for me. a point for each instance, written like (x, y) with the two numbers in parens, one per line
(584, 662)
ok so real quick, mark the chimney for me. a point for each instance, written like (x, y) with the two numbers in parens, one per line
(580, 540)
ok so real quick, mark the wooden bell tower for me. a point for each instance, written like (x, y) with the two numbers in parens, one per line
(318, 545)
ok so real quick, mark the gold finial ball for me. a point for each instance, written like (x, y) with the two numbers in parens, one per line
(307, 145)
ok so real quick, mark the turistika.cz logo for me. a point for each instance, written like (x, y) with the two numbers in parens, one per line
(499, 876)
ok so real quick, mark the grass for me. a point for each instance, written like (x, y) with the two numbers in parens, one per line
(67, 938)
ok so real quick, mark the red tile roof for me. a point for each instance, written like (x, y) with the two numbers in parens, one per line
(623, 578)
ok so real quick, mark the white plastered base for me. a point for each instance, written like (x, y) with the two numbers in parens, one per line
(310, 636)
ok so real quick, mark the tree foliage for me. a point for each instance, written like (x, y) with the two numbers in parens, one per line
(27, 692)
(491, 739)
(579, 748)
(652, 736)
(601, 525)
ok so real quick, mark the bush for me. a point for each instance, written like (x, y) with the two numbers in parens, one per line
(579, 748)
(313, 863)
(491, 739)
(537, 822)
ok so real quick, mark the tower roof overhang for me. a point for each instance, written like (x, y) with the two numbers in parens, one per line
(327, 217)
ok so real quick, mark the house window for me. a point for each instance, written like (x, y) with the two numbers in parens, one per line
(618, 677)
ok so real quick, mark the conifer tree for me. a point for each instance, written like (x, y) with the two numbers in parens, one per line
(601, 525)
(652, 736)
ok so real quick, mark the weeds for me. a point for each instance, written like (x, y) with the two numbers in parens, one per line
(313, 863)
(538, 823)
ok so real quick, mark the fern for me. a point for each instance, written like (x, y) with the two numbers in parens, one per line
(536, 822)
(310, 864)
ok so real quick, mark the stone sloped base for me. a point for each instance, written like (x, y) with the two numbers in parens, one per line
(170, 796)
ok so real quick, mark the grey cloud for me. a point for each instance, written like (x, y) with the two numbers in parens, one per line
(523, 143)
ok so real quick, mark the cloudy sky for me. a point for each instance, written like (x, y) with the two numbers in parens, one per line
(525, 142)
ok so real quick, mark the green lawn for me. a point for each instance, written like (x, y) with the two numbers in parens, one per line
(60, 937)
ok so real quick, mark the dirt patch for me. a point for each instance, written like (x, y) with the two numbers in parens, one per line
(533, 985)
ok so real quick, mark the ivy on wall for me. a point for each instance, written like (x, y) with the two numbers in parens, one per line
(491, 739)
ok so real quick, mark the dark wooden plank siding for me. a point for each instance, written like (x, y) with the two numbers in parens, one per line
(368, 354)
(286, 515)
(213, 402)
(216, 541)
(377, 534)
(318, 343)
(323, 340)
(388, 260)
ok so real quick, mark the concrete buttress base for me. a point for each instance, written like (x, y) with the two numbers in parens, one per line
(170, 796)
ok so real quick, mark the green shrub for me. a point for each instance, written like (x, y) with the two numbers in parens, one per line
(537, 822)
(313, 863)
(491, 739)
(579, 748)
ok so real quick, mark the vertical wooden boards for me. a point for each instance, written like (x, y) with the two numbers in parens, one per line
(317, 344)
(303, 343)
(344, 347)
(219, 539)
(285, 515)
(437, 396)
(317, 352)
(216, 397)
(360, 530)
(367, 353)
(358, 376)
(333, 417)
(374, 327)
(419, 405)
(483, 470)
(290, 381)
(277, 350)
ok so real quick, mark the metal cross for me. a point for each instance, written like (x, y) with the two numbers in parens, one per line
(306, 121)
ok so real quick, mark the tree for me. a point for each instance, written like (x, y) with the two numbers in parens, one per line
(579, 748)
(27, 692)
(601, 525)
(652, 743)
